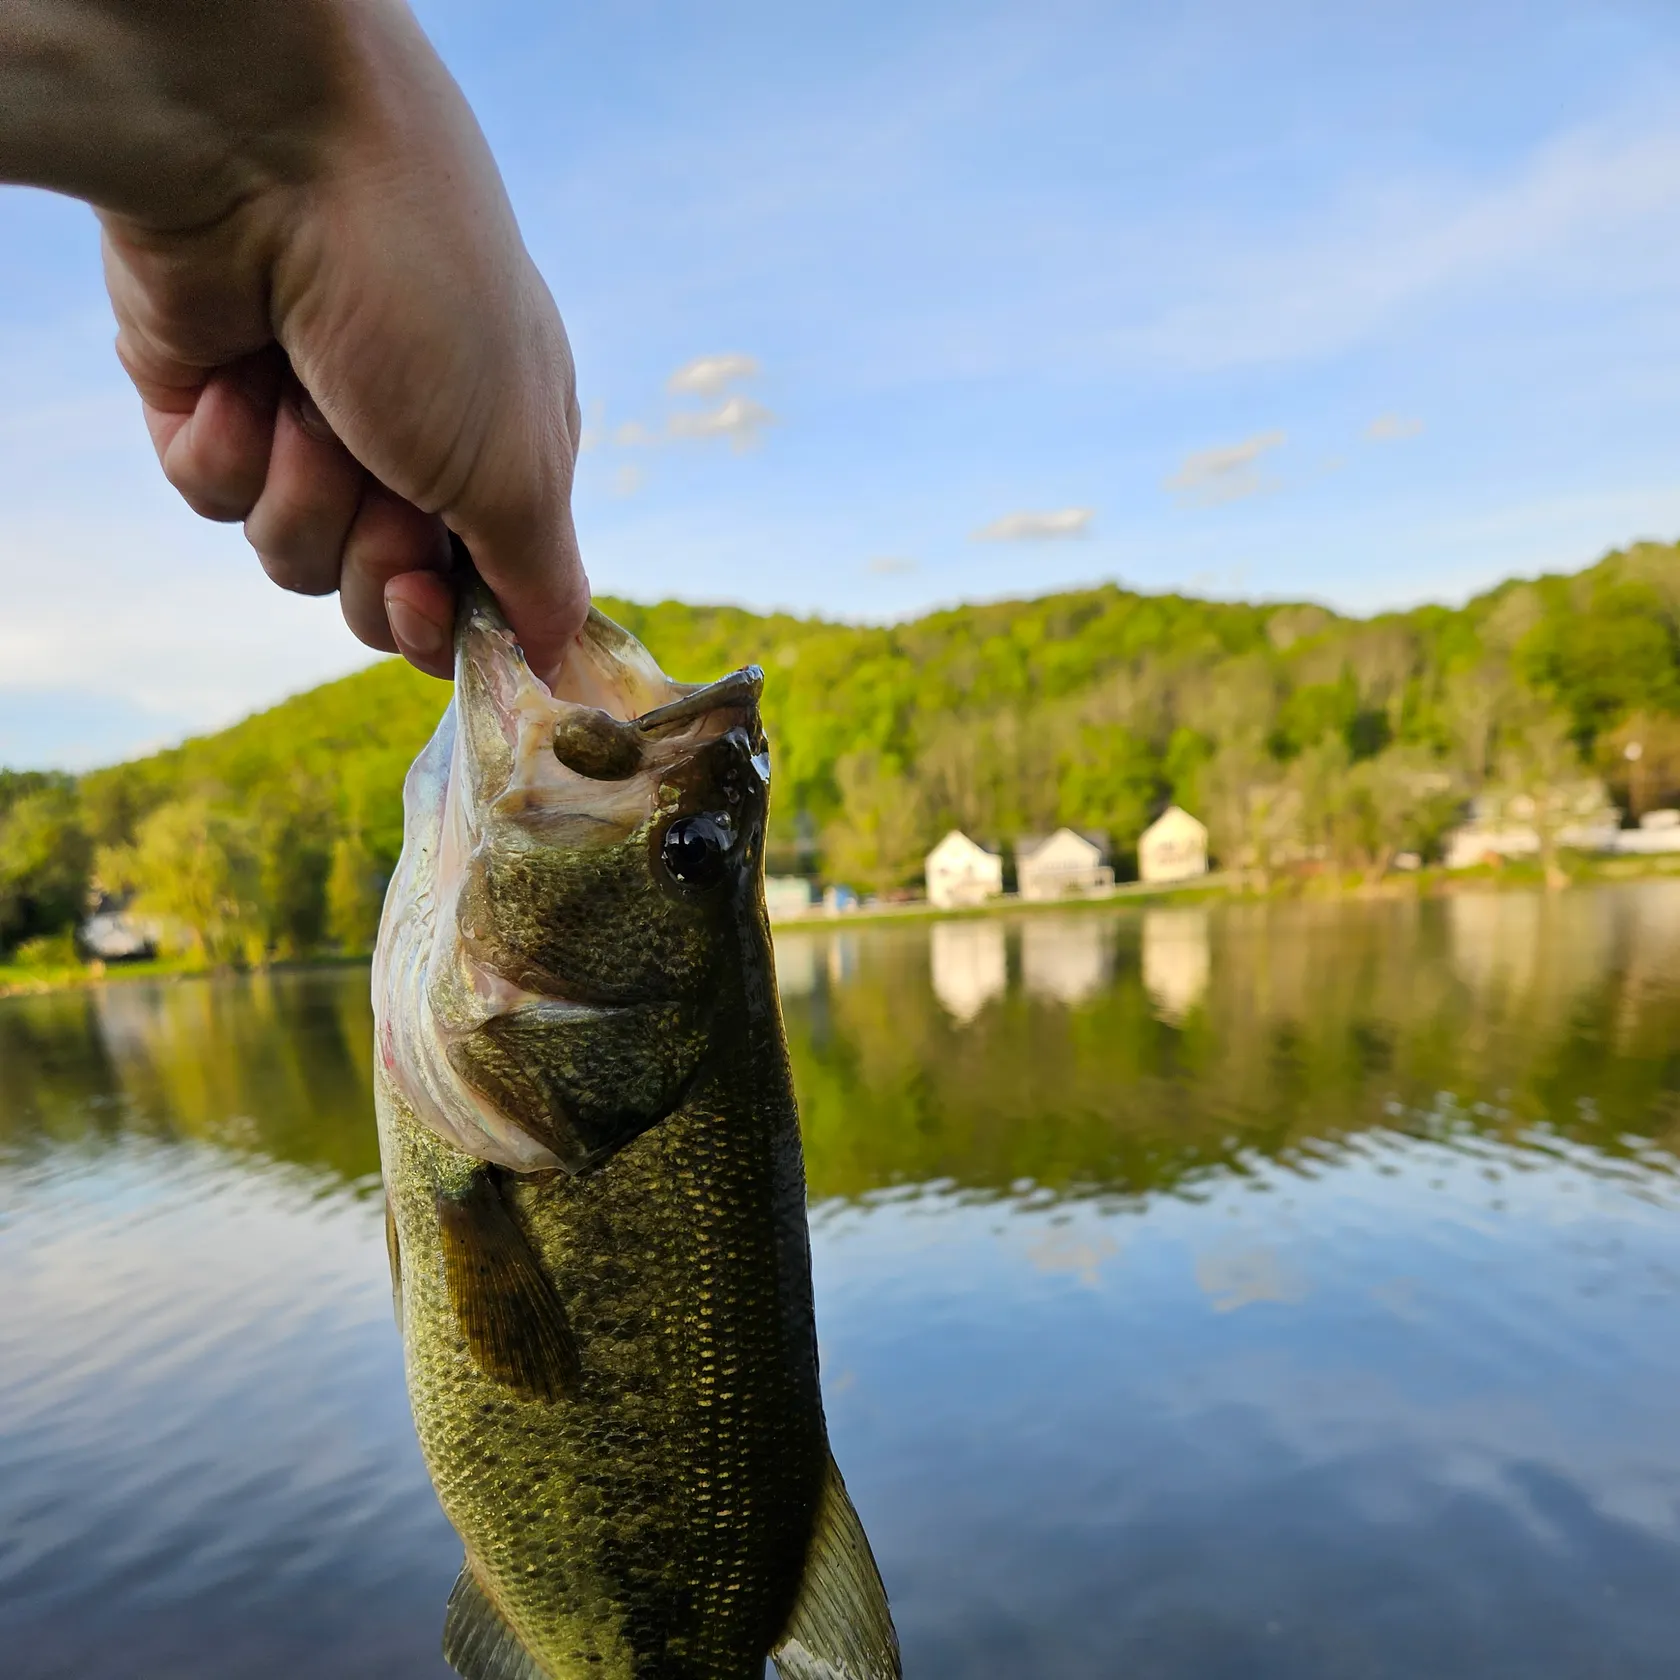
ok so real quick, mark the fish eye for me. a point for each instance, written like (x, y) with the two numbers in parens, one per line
(695, 850)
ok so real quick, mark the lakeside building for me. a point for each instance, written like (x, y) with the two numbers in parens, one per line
(1173, 848)
(961, 872)
(1060, 865)
(787, 895)
(1658, 831)
(1504, 824)
(110, 934)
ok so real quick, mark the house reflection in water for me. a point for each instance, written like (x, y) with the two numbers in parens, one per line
(1066, 958)
(970, 966)
(797, 956)
(1175, 960)
(842, 959)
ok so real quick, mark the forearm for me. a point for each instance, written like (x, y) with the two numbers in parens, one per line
(171, 112)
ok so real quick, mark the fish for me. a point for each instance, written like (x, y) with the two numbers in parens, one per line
(595, 1189)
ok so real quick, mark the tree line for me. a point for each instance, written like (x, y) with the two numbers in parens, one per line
(1305, 739)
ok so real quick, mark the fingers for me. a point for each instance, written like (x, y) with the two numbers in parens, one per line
(420, 608)
(249, 444)
(392, 588)
(513, 510)
(541, 587)
(301, 520)
(213, 443)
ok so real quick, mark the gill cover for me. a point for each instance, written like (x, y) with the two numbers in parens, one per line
(580, 880)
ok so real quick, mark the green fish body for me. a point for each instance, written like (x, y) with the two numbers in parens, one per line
(595, 1192)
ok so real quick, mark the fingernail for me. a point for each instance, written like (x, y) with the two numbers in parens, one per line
(415, 633)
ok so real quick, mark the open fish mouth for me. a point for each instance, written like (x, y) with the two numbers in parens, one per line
(562, 847)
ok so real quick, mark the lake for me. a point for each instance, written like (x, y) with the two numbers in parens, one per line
(1272, 1290)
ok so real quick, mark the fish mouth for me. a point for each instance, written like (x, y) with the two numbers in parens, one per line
(520, 768)
(597, 743)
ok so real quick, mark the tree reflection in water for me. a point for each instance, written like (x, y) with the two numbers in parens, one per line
(1086, 1051)
(1269, 1291)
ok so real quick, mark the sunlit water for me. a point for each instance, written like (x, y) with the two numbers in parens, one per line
(1279, 1291)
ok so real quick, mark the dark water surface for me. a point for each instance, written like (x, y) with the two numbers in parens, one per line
(1283, 1291)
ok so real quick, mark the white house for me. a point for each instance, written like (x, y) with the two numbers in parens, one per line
(1065, 862)
(1173, 847)
(787, 895)
(1502, 824)
(961, 872)
(1658, 831)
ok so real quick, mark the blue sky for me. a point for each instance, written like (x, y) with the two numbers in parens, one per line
(1367, 304)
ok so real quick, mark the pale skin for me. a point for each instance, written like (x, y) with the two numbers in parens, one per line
(322, 296)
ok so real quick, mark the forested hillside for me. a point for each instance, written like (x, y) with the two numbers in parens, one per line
(1296, 733)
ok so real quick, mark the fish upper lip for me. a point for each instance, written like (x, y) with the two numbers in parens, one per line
(740, 688)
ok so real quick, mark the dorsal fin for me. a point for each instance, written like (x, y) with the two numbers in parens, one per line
(841, 1628)
(477, 1643)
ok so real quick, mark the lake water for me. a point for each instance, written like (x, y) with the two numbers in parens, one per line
(1272, 1291)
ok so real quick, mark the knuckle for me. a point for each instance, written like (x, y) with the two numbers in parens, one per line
(218, 503)
(295, 553)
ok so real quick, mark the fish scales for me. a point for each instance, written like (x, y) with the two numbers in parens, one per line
(596, 1194)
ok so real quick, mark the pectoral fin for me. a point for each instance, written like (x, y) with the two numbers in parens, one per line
(841, 1628)
(477, 1643)
(393, 1252)
(512, 1319)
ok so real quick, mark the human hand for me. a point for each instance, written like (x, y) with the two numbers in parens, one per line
(322, 297)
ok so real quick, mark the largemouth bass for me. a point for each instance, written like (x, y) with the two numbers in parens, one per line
(596, 1196)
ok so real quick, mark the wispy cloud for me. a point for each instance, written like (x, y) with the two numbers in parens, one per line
(1583, 205)
(1038, 527)
(634, 435)
(739, 419)
(1211, 477)
(890, 565)
(707, 376)
(1390, 428)
(628, 479)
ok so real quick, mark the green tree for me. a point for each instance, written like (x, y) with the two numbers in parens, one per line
(1109, 779)
(44, 858)
(881, 837)
(195, 870)
(355, 893)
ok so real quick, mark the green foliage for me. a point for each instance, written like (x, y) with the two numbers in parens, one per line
(44, 856)
(1298, 735)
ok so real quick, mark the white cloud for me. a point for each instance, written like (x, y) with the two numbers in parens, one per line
(1210, 477)
(634, 435)
(739, 419)
(708, 376)
(1390, 428)
(1038, 527)
(1597, 201)
(628, 480)
(890, 565)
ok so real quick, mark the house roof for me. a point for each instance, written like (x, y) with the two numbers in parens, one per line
(957, 840)
(1027, 846)
(1175, 816)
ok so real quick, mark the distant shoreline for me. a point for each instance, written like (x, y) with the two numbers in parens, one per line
(1223, 886)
